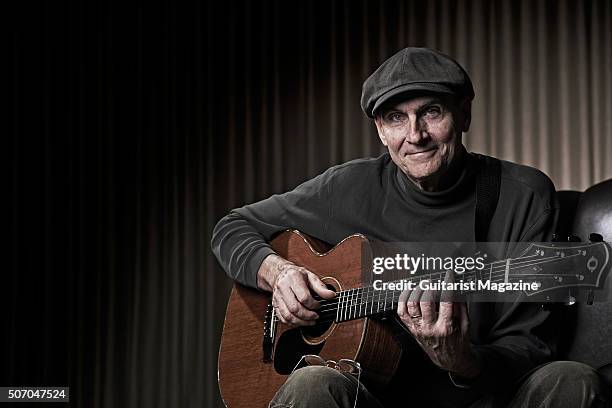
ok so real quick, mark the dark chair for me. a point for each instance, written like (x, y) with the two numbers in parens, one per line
(590, 339)
(568, 200)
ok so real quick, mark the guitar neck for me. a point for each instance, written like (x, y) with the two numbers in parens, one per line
(379, 299)
(371, 301)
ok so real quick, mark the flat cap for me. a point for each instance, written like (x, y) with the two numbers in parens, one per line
(414, 69)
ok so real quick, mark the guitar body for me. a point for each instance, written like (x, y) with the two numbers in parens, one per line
(247, 379)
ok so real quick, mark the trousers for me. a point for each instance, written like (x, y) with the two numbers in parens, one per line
(556, 384)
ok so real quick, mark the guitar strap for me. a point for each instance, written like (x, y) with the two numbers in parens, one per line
(488, 181)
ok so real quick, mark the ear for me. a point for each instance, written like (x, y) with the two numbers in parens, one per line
(379, 128)
(466, 113)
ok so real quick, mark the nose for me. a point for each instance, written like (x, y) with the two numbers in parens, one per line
(415, 131)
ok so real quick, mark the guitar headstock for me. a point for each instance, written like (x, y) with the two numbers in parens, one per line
(563, 265)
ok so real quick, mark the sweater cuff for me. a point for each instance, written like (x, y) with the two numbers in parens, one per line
(255, 262)
(459, 384)
(482, 378)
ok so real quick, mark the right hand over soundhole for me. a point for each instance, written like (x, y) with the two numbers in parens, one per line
(292, 288)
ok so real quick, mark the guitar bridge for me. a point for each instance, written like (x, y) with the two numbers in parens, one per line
(268, 335)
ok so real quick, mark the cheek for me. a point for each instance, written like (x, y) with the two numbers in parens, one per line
(444, 136)
(442, 133)
(395, 142)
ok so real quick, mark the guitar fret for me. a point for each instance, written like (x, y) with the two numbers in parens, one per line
(360, 302)
(353, 304)
(346, 298)
(385, 307)
(345, 305)
(356, 303)
(339, 307)
(350, 304)
(507, 270)
(359, 297)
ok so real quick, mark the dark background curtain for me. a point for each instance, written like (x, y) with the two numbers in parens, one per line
(133, 129)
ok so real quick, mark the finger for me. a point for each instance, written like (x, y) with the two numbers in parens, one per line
(429, 295)
(404, 296)
(297, 309)
(413, 309)
(276, 304)
(294, 306)
(445, 315)
(447, 295)
(319, 287)
(463, 316)
(277, 312)
(280, 316)
(428, 311)
(427, 307)
(412, 305)
(402, 312)
(289, 317)
(301, 291)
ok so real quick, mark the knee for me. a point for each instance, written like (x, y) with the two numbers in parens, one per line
(316, 380)
(567, 381)
(567, 373)
(315, 386)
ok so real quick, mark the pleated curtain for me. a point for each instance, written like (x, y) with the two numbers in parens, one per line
(134, 129)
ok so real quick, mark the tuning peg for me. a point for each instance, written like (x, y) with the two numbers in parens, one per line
(573, 238)
(590, 297)
(594, 237)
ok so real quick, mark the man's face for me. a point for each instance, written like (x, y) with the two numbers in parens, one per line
(423, 135)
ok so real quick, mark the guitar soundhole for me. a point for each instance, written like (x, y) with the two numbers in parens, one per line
(295, 343)
(316, 331)
(290, 349)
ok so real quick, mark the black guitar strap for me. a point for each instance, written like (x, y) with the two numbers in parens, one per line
(488, 181)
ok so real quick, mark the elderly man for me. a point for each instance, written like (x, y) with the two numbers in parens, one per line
(427, 187)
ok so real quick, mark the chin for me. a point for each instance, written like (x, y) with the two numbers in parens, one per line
(422, 171)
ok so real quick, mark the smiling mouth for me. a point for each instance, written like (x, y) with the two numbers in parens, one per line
(421, 152)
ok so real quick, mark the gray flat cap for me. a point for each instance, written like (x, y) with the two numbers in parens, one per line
(414, 69)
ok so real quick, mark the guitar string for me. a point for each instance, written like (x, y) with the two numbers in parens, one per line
(355, 291)
(369, 301)
(492, 275)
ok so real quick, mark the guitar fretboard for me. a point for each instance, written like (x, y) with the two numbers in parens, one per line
(368, 301)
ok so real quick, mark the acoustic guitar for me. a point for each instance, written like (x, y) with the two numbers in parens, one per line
(258, 352)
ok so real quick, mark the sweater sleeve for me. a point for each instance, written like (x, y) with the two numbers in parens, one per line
(240, 239)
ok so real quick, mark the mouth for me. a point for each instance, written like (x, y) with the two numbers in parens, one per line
(422, 153)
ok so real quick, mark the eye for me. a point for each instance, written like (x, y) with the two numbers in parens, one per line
(433, 111)
(395, 117)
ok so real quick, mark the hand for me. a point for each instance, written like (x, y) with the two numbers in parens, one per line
(442, 331)
(292, 288)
